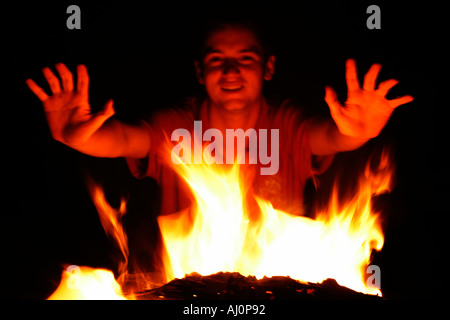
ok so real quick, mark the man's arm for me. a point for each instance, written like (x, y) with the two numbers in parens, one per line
(364, 115)
(72, 122)
(325, 139)
(117, 139)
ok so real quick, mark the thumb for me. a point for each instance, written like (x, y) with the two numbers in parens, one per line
(108, 109)
(103, 115)
(333, 102)
(98, 119)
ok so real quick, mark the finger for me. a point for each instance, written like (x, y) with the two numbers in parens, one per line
(351, 75)
(82, 80)
(333, 102)
(385, 86)
(394, 103)
(66, 77)
(38, 91)
(52, 80)
(371, 77)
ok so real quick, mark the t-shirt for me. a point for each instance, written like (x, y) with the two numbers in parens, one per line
(284, 189)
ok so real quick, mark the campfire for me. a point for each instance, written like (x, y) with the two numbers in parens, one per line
(220, 248)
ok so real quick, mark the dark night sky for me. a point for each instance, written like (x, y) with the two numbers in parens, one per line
(142, 57)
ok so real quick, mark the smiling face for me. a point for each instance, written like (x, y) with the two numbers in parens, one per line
(233, 69)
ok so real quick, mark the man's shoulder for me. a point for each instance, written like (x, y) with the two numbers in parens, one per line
(285, 109)
(176, 114)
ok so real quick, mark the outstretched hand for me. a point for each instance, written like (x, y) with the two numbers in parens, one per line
(366, 110)
(68, 111)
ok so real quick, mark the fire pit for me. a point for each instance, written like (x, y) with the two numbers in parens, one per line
(234, 286)
(213, 250)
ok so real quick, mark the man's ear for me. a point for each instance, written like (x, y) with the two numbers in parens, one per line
(199, 72)
(270, 68)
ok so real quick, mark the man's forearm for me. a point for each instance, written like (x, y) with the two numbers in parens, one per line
(106, 142)
(116, 139)
(325, 139)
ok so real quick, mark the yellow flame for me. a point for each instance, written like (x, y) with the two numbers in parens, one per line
(218, 235)
(213, 241)
(84, 283)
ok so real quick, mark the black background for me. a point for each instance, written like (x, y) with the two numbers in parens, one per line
(141, 55)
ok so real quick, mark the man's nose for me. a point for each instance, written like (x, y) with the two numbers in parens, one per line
(230, 66)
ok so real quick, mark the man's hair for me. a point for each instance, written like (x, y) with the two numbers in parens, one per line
(215, 25)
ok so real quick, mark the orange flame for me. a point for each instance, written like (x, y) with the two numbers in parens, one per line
(111, 220)
(219, 235)
(85, 283)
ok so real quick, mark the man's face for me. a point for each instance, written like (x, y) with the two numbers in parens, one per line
(233, 69)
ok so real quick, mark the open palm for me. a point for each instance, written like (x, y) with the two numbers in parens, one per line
(366, 110)
(68, 111)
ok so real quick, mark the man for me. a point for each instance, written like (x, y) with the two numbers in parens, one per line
(232, 68)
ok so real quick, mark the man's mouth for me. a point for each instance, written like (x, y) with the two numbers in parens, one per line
(231, 87)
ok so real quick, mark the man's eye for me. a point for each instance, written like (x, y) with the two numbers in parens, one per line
(214, 60)
(247, 59)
